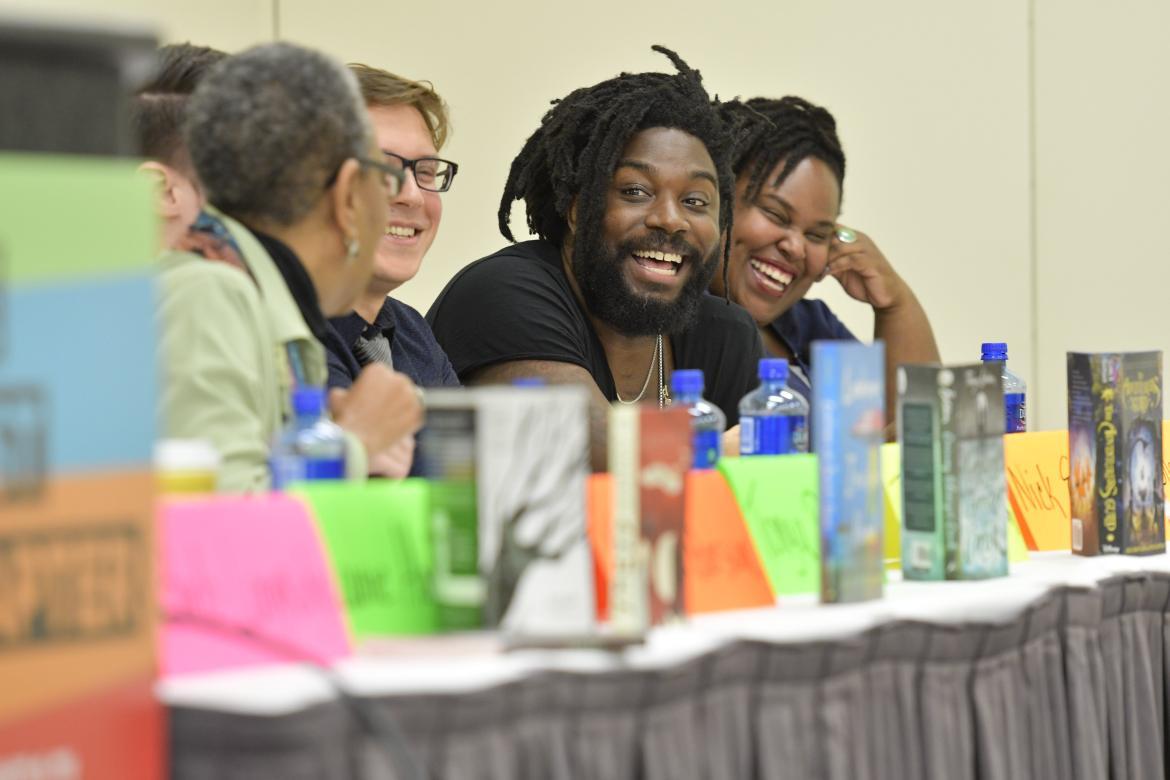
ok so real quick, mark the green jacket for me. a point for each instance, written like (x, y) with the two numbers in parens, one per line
(223, 353)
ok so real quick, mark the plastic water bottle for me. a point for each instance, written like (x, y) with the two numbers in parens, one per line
(707, 420)
(773, 418)
(1015, 392)
(310, 446)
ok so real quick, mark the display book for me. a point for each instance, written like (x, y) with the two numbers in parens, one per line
(954, 505)
(1116, 496)
(848, 397)
(507, 467)
(650, 452)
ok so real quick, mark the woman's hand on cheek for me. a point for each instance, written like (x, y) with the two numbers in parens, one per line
(864, 272)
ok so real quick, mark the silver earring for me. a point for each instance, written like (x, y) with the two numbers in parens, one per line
(352, 247)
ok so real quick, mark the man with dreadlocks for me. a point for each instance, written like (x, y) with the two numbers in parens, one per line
(628, 185)
(790, 170)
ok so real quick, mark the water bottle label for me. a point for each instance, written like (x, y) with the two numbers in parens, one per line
(287, 469)
(773, 435)
(325, 468)
(707, 447)
(1015, 413)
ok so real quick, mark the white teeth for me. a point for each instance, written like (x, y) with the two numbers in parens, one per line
(781, 278)
(400, 231)
(662, 257)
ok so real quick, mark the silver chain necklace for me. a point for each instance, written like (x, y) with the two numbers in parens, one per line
(649, 373)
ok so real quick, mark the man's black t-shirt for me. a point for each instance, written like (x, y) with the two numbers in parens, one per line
(517, 305)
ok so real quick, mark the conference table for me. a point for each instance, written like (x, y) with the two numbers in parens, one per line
(1056, 671)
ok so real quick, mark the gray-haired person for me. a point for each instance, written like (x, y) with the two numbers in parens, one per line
(297, 193)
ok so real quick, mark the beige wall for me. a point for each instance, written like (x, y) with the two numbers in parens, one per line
(1102, 163)
(1005, 156)
(225, 24)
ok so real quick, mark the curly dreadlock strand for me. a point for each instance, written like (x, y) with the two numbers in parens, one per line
(789, 129)
(572, 155)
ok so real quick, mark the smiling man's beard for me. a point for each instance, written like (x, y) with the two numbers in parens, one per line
(609, 297)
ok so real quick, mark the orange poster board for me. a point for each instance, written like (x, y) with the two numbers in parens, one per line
(77, 629)
(721, 570)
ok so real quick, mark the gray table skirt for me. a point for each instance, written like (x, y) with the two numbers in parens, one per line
(1073, 687)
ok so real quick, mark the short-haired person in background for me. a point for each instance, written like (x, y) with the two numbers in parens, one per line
(159, 108)
(790, 174)
(297, 192)
(628, 184)
(410, 124)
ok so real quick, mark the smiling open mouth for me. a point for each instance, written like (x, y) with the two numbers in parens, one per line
(770, 276)
(665, 263)
(401, 231)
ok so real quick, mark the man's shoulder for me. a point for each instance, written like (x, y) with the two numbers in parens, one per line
(495, 280)
(531, 259)
(189, 275)
(730, 318)
(402, 311)
(409, 323)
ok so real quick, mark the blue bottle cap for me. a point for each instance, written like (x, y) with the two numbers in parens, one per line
(528, 381)
(773, 369)
(687, 381)
(995, 350)
(308, 400)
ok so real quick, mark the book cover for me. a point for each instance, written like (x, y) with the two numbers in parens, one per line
(650, 452)
(848, 397)
(446, 457)
(978, 505)
(508, 468)
(1142, 492)
(665, 456)
(629, 594)
(954, 500)
(922, 452)
(1082, 456)
(1117, 468)
(532, 461)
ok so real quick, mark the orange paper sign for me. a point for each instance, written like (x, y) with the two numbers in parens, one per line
(599, 506)
(721, 570)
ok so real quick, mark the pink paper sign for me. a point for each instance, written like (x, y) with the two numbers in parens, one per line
(244, 582)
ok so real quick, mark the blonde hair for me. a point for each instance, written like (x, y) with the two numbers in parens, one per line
(381, 88)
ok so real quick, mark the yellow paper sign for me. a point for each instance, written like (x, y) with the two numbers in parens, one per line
(891, 464)
(1036, 466)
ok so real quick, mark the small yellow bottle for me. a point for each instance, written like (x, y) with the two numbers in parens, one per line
(186, 466)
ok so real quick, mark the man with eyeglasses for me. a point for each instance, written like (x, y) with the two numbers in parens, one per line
(411, 123)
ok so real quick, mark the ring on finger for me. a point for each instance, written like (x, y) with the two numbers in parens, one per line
(846, 235)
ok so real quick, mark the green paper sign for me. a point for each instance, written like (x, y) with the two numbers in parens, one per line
(39, 246)
(1017, 549)
(777, 495)
(377, 535)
